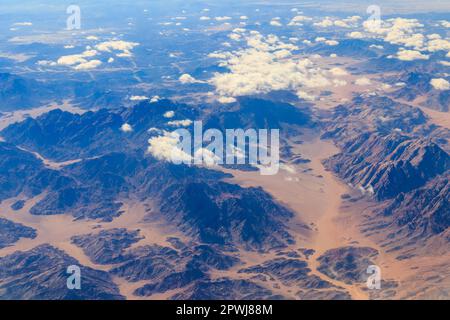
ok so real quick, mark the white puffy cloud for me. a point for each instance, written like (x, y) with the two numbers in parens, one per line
(341, 23)
(356, 35)
(239, 30)
(23, 24)
(445, 24)
(80, 61)
(363, 81)
(276, 23)
(92, 38)
(243, 17)
(283, 53)
(169, 114)
(226, 100)
(71, 60)
(327, 42)
(126, 128)
(138, 98)
(386, 86)
(331, 42)
(297, 20)
(187, 79)
(325, 23)
(353, 19)
(218, 55)
(92, 64)
(165, 148)
(234, 36)
(336, 71)
(267, 64)
(437, 45)
(399, 31)
(339, 82)
(410, 55)
(305, 96)
(433, 36)
(205, 18)
(440, 84)
(124, 47)
(208, 157)
(224, 18)
(180, 123)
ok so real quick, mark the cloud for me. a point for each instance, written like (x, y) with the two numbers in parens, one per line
(433, 36)
(355, 35)
(243, 17)
(80, 61)
(180, 123)
(363, 81)
(92, 64)
(226, 100)
(353, 19)
(331, 42)
(305, 96)
(399, 31)
(338, 72)
(276, 23)
(169, 114)
(187, 79)
(224, 18)
(23, 24)
(126, 128)
(297, 20)
(91, 38)
(410, 55)
(328, 42)
(165, 148)
(138, 98)
(124, 47)
(208, 157)
(155, 99)
(71, 60)
(266, 64)
(339, 82)
(341, 23)
(234, 36)
(440, 84)
(437, 45)
(218, 55)
(325, 23)
(205, 18)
